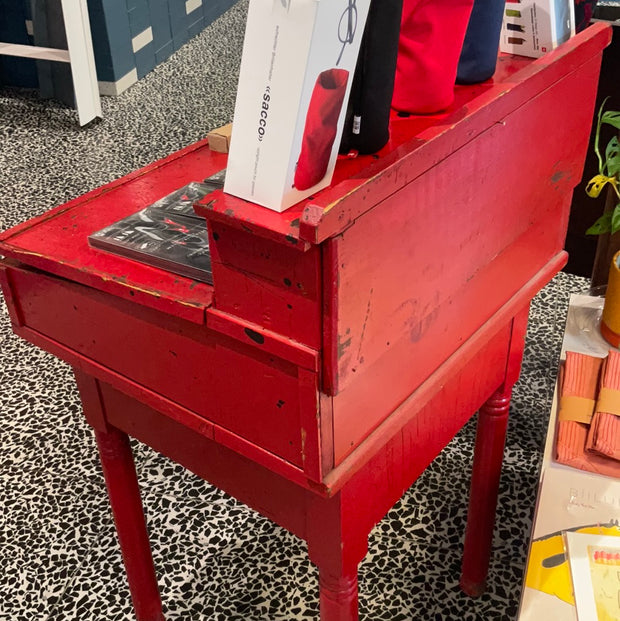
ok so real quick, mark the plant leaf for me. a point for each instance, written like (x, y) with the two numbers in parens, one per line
(597, 135)
(612, 157)
(615, 219)
(602, 225)
(611, 117)
(596, 184)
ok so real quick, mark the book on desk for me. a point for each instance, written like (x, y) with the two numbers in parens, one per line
(167, 234)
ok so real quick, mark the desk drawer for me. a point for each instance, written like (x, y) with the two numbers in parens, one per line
(261, 397)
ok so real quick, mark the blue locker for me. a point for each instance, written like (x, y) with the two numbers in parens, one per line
(15, 71)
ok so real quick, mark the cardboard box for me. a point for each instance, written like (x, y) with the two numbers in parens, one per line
(219, 139)
(535, 27)
(297, 67)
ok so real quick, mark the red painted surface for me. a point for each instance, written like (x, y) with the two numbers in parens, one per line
(269, 283)
(441, 248)
(122, 483)
(345, 341)
(488, 454)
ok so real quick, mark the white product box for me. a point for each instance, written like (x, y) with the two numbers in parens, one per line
(297, 67)
(535, 27)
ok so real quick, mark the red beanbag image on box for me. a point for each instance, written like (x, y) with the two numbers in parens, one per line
(320, 128)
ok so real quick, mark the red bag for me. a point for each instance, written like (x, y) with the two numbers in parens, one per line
(320, 129)
(431, 37)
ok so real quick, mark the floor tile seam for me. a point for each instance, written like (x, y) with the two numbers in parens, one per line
(497, 553)
(417, 540)
(56, 606)
(80, 567)
(75, 482)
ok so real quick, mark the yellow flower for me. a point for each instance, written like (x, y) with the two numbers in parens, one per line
(598, 182)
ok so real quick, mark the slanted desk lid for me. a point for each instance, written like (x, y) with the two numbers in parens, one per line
(57, 241)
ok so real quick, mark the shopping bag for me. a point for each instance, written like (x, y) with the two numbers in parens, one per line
(367, 120)
(430, 43)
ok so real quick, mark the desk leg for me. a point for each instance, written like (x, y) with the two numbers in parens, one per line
(337, 542)
(122, 483)
(338, 597)
(488, 457)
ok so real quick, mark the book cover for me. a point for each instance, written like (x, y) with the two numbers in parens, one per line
(594, 562)
(181, 201)
(569, 500)
(167, 234)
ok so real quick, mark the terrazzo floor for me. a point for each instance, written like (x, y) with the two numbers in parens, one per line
(216, 559)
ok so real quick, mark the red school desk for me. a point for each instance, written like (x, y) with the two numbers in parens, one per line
(345, 341)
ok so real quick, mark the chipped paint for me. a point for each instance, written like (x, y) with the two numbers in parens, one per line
(329, 207)
(344, 344)
(558, 176)
(359, 351)
(304, 435)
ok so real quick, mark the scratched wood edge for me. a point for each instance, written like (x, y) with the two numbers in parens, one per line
(392, 425)
(190, 308)
(15, 312)
(171, 410)
(329, 308)
(225, 208)
(321, 220)
(256, 335)
(310, 423)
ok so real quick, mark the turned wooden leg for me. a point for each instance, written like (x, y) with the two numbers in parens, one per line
(337, 538)
(120, 477)
(338, 597)
(488, 456)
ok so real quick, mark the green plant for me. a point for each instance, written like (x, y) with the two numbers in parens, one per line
(609, 173)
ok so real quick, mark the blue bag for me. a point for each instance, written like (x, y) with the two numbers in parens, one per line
(479, 54)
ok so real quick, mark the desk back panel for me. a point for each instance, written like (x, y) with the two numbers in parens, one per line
(424, 269)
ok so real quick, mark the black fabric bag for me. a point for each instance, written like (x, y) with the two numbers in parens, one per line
(366, 126)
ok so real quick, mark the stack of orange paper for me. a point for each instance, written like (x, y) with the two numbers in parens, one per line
(579, 393)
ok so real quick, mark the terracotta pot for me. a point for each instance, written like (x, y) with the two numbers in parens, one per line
(610, 323)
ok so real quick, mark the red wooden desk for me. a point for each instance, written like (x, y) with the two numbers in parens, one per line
(345, 341)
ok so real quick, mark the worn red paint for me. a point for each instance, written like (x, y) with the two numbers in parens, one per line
(346, 340)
